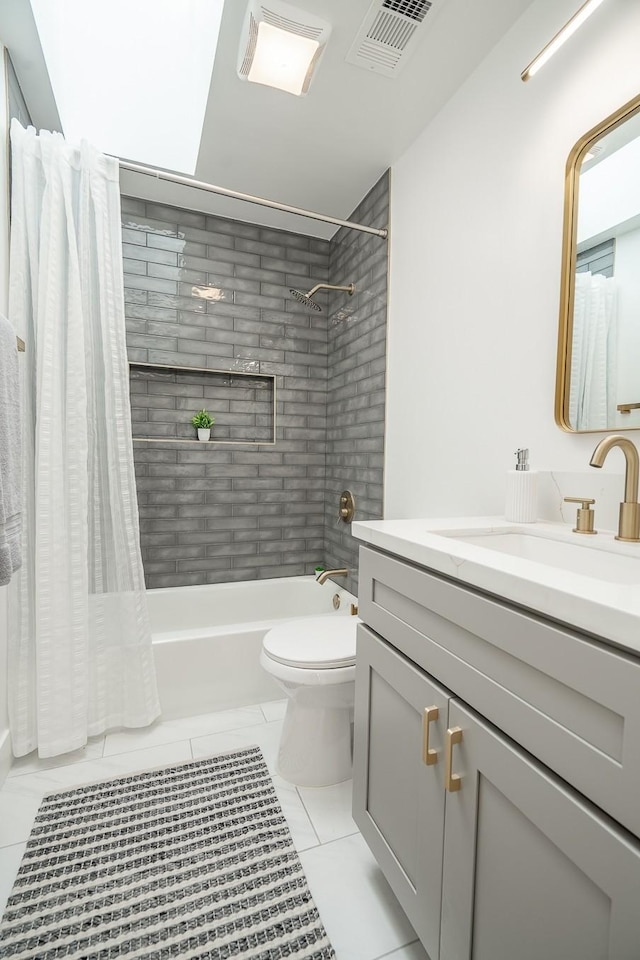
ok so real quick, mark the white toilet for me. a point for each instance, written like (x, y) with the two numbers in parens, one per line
(314, 661)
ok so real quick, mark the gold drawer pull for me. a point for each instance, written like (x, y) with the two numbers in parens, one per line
(452, 781)
(428, 756)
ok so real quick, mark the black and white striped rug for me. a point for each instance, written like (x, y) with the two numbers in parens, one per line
(191, 861)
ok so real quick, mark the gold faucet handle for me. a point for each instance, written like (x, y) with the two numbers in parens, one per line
(585, 515)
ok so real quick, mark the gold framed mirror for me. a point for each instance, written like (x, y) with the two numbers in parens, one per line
(598, 364)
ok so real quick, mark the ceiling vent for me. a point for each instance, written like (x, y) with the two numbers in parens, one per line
(389, 34)
(293, 42)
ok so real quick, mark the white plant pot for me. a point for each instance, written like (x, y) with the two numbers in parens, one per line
(204, 433)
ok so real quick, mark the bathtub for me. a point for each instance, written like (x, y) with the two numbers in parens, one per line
(207, 639)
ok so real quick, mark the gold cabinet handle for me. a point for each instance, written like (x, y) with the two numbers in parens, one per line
(428, 756)
(452, 781)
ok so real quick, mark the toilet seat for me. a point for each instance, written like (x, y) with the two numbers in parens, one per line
(314, 643)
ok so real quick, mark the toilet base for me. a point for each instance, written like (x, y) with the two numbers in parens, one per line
(315, 745)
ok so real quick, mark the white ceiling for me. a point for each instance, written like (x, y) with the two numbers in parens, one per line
(321, 152)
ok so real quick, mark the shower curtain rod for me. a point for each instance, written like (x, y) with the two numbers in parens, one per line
(222, 191)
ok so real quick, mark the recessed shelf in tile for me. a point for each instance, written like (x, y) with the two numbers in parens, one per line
(164, 398)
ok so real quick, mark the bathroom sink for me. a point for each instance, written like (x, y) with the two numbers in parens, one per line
(602, 559)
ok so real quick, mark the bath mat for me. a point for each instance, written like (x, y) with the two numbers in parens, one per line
(191, 861)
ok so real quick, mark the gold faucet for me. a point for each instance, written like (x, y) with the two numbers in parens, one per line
(331, 573)
(629, 523)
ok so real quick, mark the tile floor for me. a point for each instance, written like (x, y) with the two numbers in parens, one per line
(359, 911)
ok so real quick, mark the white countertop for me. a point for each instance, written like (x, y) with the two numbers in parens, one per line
(607, 609)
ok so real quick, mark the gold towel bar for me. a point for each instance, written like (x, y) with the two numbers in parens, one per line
(20, 344)
(628, 407)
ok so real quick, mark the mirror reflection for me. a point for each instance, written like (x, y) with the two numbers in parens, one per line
(602, 362)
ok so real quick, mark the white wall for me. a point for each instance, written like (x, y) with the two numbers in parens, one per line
(4, 269)
(476, 229)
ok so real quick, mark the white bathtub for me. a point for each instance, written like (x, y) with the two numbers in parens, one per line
(207, 639)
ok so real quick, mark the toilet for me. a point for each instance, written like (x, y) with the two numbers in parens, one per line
(314, 661)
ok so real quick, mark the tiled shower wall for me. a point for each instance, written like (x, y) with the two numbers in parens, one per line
(207, 292)
(356, 378)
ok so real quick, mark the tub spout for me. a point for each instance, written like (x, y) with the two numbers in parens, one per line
(332, 573)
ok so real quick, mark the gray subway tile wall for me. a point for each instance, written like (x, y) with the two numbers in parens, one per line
(206, 292)
(202, 291)
(356, 378)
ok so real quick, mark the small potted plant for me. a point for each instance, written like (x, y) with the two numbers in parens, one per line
(203, 421)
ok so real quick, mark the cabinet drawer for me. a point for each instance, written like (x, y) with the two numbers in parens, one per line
(572, 702)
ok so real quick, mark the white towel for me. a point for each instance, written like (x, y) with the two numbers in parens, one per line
(10, 455)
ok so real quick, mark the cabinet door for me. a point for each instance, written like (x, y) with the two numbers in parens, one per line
(530, 868)
(398, 800)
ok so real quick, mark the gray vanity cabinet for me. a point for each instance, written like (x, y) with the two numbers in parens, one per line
(491, 854)
(570, 700)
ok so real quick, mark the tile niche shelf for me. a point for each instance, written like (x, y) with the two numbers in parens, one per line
(164, 398)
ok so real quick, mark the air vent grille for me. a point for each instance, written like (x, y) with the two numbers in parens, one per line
(389, 33)
(292, 26)
(391, 30)
(377, 55)
(250, 50)
(414, 9)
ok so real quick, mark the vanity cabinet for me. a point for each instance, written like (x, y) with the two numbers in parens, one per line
(512, 860)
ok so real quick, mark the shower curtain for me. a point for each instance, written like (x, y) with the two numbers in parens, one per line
(80, 657)
(592, 396)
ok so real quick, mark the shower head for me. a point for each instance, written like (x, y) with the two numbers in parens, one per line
(307, 298)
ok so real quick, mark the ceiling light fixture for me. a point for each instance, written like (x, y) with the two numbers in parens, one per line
(560, 38)
(281, 45)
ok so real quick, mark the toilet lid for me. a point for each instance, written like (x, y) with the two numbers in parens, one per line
(315, 642)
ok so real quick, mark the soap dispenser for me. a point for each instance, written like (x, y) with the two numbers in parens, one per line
(522, 491)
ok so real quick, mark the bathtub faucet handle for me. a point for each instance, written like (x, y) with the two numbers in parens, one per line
(347, 507)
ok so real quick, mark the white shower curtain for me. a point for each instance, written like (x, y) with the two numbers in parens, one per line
(80, 657)
(592, 396)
